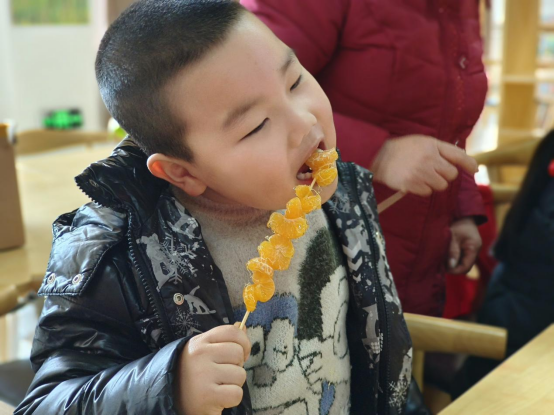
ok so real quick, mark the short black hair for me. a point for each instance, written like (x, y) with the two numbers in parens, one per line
(143, 49)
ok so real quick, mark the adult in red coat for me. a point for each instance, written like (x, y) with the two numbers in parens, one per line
(401, 74)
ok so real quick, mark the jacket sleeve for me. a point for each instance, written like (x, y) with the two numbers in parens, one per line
(470, 203)
(89, 357)
(315, 41)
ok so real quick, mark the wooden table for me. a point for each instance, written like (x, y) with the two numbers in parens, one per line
(521, 385)
(6, 409)
(47, 190)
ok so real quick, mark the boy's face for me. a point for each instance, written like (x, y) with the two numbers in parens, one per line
(253, 115)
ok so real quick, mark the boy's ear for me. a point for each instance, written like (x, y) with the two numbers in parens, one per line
(177, 172)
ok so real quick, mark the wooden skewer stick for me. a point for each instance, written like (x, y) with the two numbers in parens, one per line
(390, 201)
(244, 320)
(312, 185)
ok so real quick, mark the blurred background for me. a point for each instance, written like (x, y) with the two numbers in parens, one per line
(47, 51)
(54, 124)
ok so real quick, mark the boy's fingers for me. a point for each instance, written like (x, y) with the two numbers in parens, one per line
(229, 395)
(231, 374)
(237, 325)
(229, 333)
(227, 353)
(223, 333)
(458, 157)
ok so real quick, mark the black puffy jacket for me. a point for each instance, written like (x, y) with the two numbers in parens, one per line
(110, 332)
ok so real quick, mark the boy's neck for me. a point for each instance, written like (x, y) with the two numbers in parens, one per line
(225, 211)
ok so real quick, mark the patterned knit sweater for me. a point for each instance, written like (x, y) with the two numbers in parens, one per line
(300, 362)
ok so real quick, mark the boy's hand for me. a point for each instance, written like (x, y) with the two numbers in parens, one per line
(464, 246)
(420, 164)
(210, 373)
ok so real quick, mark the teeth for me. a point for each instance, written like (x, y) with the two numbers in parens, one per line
(304, 176)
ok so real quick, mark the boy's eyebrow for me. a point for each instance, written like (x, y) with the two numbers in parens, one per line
(238, 112)
(291, 57)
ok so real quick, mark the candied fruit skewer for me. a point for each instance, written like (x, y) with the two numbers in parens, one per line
(276, 253)
(276, 256)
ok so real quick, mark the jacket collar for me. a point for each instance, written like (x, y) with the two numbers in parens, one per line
(123, 181)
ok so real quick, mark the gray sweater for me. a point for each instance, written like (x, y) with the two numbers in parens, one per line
(300, 362)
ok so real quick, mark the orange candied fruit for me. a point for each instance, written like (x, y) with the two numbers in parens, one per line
(309, 199)
(259, 277)
(278, 251)
(302, 191)
(264, 288)
(289, 228)
(249, 297)
(261, 265)
(321, 158)
(294, 209)
(326, 175)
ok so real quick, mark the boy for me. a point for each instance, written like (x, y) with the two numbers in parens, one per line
(144, 283)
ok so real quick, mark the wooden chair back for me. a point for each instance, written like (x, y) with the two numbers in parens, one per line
(507, 167)
(36, 141)
(430, 334)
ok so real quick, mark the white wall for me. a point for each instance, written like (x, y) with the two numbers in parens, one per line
(48, 67)
(6, 77)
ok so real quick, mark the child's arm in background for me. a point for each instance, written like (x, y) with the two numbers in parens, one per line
(89, 357)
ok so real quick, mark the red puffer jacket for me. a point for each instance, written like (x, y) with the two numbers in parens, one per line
(392, 68)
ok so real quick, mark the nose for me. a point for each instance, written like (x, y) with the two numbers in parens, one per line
(301, 123)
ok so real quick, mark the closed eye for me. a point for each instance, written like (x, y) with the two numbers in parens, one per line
(297, 83)
(257, 129)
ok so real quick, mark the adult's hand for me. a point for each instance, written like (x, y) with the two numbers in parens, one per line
(420, 164)
(464, 246)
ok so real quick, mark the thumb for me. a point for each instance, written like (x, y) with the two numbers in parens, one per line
(237, 325)
(454, 253)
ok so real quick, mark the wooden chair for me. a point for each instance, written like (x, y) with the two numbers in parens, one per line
(431, 334)
(10, 295)
(506, 167)
(509, 156)
(35, 141)
(6, 409)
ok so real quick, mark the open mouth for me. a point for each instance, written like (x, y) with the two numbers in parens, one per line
(305, 173)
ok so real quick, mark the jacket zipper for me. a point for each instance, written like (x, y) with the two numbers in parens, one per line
(381, 305)
(154, 302)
